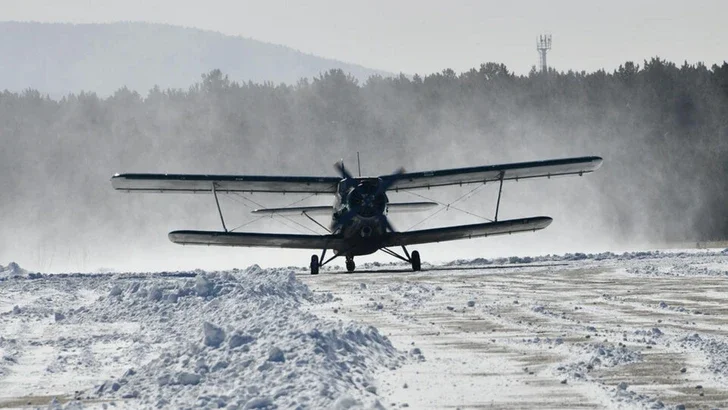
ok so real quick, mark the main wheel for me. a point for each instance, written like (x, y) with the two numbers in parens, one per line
(415, 259)
(350, 265)
(314, 264)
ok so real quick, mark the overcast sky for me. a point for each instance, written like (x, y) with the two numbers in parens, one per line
(424, 36)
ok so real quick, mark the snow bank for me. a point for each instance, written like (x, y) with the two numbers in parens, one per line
(678, 269)
(239, 339)
(13, 270)
(578, 256)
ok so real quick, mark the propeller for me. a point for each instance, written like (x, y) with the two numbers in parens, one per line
(348, 180)
(339, 166)
(384, 183)
(387, 180)
(364, 200)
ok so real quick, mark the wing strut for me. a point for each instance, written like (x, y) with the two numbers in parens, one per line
(214, 193)
(304, 213)
(500, 190)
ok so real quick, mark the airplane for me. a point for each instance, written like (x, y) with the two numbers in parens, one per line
(359, 224)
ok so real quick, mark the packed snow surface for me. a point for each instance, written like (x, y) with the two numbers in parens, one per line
(634, 330)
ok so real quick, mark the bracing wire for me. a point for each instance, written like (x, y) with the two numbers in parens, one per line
(247, 223)
(448, 206)
(243, 197)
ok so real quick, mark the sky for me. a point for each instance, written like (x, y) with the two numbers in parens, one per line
(426, 36)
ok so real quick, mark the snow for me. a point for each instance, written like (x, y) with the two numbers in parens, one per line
(236, 339)
(13, 270)
(629, 330)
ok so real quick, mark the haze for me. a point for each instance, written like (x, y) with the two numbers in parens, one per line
(427, 36)
(660, 124)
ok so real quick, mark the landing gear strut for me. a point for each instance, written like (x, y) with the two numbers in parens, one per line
(414, 259)
(317, 262)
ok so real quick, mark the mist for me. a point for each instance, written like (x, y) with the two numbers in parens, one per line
(62, 58)
(661, 129)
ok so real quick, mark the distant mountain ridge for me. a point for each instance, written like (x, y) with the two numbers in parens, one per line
(62, 58)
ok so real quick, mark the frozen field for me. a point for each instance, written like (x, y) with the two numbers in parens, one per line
(639, 330)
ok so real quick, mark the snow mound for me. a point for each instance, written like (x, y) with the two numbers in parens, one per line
(568, 257)
(678, 269)
(13, 270)
(600, 355)
(240, 339)
(714, 348)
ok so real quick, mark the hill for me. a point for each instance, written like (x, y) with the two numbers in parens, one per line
(57, 58)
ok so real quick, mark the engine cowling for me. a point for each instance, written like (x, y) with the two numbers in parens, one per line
(366, 200)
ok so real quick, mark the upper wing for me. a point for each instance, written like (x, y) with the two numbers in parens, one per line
(223, 183)
(268, 240)
(482, 174)
(452, 233)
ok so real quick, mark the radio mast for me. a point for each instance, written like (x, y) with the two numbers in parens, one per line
(543, 45)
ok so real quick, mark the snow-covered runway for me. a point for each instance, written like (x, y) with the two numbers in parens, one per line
(639, 330)
(643, 330)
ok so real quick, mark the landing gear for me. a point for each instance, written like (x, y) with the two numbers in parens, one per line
(314, 264)
(415, 260)
(317, 262)
(350, 265)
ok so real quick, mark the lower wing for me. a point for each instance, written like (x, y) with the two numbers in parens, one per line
(275, 240)
(272, 240)
(452, 233)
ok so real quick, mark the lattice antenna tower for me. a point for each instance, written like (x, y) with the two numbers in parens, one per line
(543, 45)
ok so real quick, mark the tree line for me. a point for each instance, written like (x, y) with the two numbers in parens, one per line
(662, 129)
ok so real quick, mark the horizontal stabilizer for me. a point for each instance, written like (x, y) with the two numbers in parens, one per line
(296, 210)
(251, 239)
(452, 233)
(410, 206)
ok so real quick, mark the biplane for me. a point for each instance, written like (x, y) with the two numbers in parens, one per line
(359, 224)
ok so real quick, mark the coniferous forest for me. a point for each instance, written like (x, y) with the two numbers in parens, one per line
(661, 127)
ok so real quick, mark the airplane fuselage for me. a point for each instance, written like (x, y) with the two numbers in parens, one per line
(360, 215)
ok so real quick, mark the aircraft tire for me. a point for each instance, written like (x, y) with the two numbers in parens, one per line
(314, 264)
(416, 264)
(350, 265)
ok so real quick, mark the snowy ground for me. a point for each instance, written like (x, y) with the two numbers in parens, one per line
(639, 330)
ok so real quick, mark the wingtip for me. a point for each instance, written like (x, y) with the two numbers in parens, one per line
(116, 180)
(543, 220)
(175, 236)
(598, 161)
